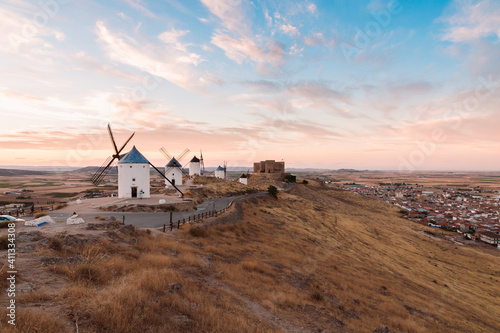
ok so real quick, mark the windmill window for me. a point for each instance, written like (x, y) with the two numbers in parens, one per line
(130, 167)
(133, 179)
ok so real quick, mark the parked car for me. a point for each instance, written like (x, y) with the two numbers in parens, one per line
(8, 218)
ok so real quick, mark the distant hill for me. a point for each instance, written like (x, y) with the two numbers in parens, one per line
(15, 172)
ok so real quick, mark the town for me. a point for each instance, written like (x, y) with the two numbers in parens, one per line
(473, 211)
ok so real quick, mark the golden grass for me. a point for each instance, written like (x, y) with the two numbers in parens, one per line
(317, 258)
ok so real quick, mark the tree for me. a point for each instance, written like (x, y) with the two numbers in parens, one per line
(273, 191)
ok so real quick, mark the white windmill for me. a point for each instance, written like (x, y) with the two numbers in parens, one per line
(173, 169)
(194, 167)
(133, 171)
(220, 172)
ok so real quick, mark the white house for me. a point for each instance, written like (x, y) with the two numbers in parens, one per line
(244, 179)
(194, 167)
(173, 171)
(219, 173)
(133, 175)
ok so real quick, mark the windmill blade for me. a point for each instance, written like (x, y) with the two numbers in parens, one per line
(102, 167)
(181, 156)
(161, 174)
(112, 139)
(165, 152)
(202, 164)
(119, 151)
(102, 171)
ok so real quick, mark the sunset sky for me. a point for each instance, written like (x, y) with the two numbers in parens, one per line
(408, 85)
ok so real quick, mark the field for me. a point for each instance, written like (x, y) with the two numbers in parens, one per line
(486, 180)
(317, 259)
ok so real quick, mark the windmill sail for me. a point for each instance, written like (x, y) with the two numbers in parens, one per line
(161, 174)
(106, 166)
(102, 171)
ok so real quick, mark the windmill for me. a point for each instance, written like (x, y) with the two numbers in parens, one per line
(220, 172)
(174, 169)
(106, 166)
(202, 164)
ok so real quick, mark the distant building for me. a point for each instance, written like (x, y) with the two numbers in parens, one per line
(173, 171)
(489, 237)
(269, 169)
(133, 175)
(194, 167)
(220, 173)
(243, 179)
(269, 166)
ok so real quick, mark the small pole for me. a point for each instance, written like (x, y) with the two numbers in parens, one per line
(164, 227)
(171, 225)
(178, 224)
(123, 219)
(170, 217)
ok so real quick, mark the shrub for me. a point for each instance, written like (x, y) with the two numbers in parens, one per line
(55, 244)
(273, 191)
(40, 214)
(305, 182)
(60, 206)
(4, 242)
(197, 231)
(4, 224)
(89, 272)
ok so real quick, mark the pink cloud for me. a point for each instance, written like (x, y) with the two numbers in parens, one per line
(473, 20)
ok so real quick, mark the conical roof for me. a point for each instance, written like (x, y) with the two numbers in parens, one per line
(133, 156)
(174, 164)
(243, 176)
(219, 169)
(195, 159)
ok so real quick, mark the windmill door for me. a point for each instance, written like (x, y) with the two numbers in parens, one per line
(134, 191)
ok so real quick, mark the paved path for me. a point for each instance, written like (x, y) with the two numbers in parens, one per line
(156, 220)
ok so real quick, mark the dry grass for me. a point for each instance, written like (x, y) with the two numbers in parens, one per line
(40, 214)
(316, 258)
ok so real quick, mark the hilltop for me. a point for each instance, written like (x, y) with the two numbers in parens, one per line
(318, 259)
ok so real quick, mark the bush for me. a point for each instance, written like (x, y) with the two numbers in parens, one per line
(273, 191)
(305, 182)
(4, 242)
(55, 244)
(59, 206)
(40, 214)
(197, 231)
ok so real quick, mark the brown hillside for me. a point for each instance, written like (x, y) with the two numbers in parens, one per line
(315, 260)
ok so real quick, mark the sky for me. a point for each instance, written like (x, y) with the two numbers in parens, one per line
(369, 84)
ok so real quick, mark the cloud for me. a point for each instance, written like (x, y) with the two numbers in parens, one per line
(242, 48)
(231, 14)
(473, 20)
(311, 8)
(321, 95)
(318, 39)
(238, 42)
(289, 30)
(138, 4)
(24, 35)
(409, 89)
(172, 37)
(171, 61)
(83, 61)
